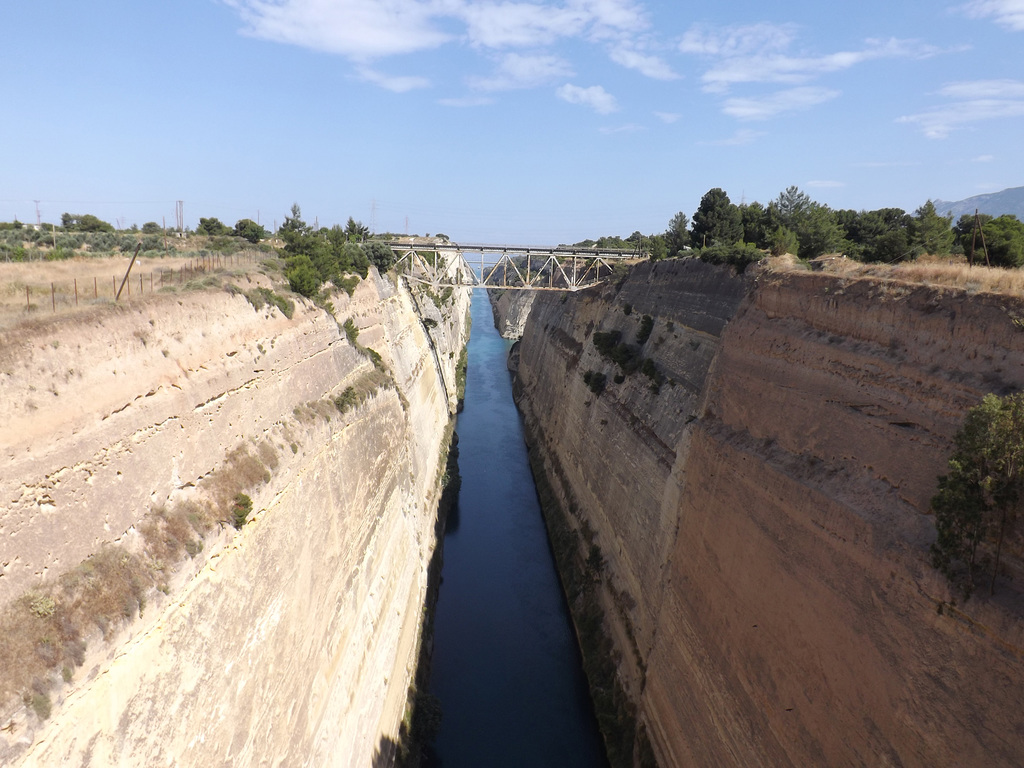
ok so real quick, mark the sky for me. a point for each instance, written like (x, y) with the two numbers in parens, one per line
(501, 121)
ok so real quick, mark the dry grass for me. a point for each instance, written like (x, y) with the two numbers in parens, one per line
(945, 272)
(52, 284)
(42, 634)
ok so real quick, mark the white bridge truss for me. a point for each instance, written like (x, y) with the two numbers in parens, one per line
(511, 267)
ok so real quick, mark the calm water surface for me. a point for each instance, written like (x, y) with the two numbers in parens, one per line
(505, 666)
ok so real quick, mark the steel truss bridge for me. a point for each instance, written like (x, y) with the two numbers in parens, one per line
(512, 267)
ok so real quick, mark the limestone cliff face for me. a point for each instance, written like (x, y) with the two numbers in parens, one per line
(293, 641)
(510, 308)
(764, 517)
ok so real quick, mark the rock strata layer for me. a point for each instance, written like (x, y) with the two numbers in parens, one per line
(293, 641)
(757, 491)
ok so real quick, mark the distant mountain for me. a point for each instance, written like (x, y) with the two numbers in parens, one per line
(996, 204)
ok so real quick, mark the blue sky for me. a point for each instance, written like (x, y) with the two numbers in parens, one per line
(521, 122)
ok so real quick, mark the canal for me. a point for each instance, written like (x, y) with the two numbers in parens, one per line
(506, 667)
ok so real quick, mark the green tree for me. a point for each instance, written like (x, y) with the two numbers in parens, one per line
(656, 248)
(792, 205)
(818, 231)
(759, 224)
(782, 241)
(1004, 237)
(249, 230)
(84, 223)
(212, 227)
(716, 221)
(152, 228)
(677, 236)
(303, 277)
(356, 230)
(932, 233)
(379, 255)
(979, 499)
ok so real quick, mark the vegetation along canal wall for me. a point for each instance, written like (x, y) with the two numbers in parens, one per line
(737, 473)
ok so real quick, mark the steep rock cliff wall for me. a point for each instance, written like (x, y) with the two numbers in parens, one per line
(293, 641)
(764, 521)
(510, 309)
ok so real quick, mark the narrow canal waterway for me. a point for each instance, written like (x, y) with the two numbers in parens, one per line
(506, 667)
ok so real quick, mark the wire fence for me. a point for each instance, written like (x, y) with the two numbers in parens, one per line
(70, 292)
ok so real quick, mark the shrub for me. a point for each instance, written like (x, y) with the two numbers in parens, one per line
(646, 326)
(240, 509)
(596, 380)
(302, 276)
(351, 332)
(739, 256)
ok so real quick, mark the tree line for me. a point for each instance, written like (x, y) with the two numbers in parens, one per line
(794, 223)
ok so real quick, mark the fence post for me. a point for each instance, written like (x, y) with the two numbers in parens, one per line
(28, 302)
(95, 287)
(53, 297)
(76, 291)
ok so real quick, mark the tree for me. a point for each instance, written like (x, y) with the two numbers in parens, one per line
(249, 230)
(782, 241)
(980, 497)
(1004, 237)
(791, 205)
(212, 227)
(817, 231)
(759, 224)
(84, 223)
(152, 228)
(379, 255)
(677, 236)
(356, 230)
(932, 233)
(716, 221)
(303, 277)
(656, 248)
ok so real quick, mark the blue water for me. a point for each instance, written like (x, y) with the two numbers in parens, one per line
(506, 667)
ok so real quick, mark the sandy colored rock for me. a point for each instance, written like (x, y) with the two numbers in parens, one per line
(294, 641)
(764, 516)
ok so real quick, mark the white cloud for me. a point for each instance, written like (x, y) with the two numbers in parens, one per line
(627, 128)
(765, 107)
(741, 41)
(1009, 13)
(758, 53)
(523, 71)
(651, 66)
(594, 97)
(667, 117)
(396, 84)
(984, 158)
(973, 102)
(367, 29)
(358, 29)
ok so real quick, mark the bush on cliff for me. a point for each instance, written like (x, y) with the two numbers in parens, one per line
(977, 502)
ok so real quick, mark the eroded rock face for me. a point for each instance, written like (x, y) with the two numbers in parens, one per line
(510, 309)
(295, 640)
(764, 517)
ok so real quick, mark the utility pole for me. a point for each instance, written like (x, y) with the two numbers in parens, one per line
(39, 221)
(975, 231)
(179, 214)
